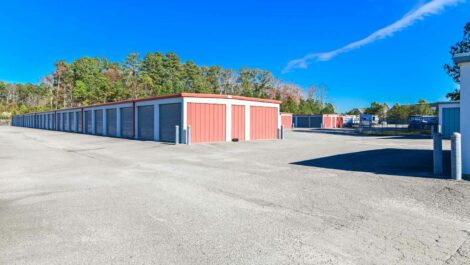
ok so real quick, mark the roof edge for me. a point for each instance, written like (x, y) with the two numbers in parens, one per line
(462, 58)
(178, 95)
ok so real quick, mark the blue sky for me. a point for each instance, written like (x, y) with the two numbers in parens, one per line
(400, 67)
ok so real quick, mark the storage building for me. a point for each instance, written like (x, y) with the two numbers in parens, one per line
(181, 117)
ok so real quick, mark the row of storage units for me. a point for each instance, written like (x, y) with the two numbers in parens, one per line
(174, 118)
(330, 121)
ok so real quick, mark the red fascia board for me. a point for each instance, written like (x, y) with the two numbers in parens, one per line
(195, 95)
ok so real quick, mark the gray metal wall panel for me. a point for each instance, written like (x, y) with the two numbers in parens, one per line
(111, 124)
(88, 124)
(146, 122)
(127, 130)
(169, 117)
(99, 122)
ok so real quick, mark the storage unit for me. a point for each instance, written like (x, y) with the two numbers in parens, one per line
(212, 118)
(71, 122)
(263, 123)
(238, 122)
(79, 121)
(169, 118)
(111, 122)
(318, 121)
(449, 118)
(127, 122)
(88, 122)
(146, 121)
(463, 61)
(98, 122)
(207, 122)
(286, 120)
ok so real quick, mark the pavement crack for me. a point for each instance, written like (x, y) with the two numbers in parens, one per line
(462, 251)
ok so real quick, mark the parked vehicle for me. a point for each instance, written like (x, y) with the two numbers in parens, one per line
(418, 122)
(368, 120)
(350, 120)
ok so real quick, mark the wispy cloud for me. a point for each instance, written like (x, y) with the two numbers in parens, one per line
(430, 8)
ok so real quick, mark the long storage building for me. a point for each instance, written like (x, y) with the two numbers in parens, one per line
(173, 118)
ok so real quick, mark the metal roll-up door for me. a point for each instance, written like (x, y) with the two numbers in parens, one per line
(70, 122)
(263, 123)
(316, 121)
(169, 117)
(146, 122)
(51, 121)
(238, 122)
(111, 122)
(208, 122)
(302, 122)
(88, 124)
(99, 122)
(79, 121)
(127, 128)
(64, 121)
(59, 121)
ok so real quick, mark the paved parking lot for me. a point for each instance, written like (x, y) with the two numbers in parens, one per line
(313, 198)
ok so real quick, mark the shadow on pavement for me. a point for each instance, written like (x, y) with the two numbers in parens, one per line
(354, 132)
(389, 161)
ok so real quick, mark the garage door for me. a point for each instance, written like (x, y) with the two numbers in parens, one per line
(450, 121)
(207, 122)
(286, 121)
(71, 122)
(169, 117)
(263, 123)
(99, 122)
(88, 124)
(79, 121)
(145, 127)
(64, 121)
(238, 122)
(127, 128)
(111, 122)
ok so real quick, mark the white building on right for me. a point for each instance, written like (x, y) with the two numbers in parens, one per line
(463, 60)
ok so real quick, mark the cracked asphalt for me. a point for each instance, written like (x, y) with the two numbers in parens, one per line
(313, 198)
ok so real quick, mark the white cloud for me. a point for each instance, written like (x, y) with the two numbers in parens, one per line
(430, 8)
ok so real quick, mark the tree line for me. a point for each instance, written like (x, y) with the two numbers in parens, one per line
(397, 113)
(91, 80)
